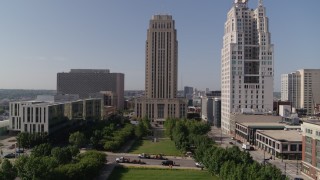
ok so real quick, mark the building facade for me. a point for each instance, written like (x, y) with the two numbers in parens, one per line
(87, 81)
(188, 92)
(160, 101)
(287, 87)
(311, 148)
(217, 112)
(246, 62)
(284, 144)
(49, 117)
(302, 89)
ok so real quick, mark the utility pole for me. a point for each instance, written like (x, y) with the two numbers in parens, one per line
(285, 169)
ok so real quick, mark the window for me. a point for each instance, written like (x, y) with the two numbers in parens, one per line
(293, 147)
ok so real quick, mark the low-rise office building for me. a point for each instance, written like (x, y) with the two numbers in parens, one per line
(244, 126)
(158, 110)
(286, 144)
(48, 117)
(311, 148)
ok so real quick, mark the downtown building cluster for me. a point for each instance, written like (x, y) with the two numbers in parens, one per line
(245, 108)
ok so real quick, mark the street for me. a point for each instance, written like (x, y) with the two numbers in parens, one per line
(288, 167)
(179, 162)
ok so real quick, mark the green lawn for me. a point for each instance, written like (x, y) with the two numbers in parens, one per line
(163, 146)
(122, 173)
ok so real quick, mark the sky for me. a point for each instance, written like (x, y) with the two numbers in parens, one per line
(40, 38)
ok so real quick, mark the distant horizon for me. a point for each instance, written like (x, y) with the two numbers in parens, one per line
(124, 90)
(43, 38)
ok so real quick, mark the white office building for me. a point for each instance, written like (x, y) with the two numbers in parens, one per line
(302, 88)
(246, 62)
(48, 117)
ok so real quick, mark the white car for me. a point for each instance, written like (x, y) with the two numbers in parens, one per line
(199, 164)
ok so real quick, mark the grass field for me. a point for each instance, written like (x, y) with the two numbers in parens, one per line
(122, 173)
(163, 146)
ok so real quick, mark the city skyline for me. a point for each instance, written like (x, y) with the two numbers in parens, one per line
(41, 39)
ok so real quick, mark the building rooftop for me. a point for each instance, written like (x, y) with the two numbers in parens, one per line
(89, 71)
(316, 122)
(263, 124)
(247, 118)
(282, 135)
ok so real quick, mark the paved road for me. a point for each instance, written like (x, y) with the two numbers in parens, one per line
(182, 162)
(288, 167)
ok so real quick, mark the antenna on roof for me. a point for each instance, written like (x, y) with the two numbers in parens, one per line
(260, 2)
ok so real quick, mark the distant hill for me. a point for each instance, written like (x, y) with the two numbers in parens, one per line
(17, 94)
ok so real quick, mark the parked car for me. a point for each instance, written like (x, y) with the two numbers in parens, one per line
(251, 148)
(9, 156)
(189, 154)
(298, 178)
(230, 142)
(167, 163)
(19, 150)
(143, 155)
(246, 146)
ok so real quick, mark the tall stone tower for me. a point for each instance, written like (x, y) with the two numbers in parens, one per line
(247, 62)
(161, 58)
(160, 101)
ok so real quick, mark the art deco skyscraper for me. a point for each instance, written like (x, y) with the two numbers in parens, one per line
(160, 101)
(161, 58)
(246, 62)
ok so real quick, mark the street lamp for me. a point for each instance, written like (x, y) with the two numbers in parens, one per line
(221, 136)
(264, 156)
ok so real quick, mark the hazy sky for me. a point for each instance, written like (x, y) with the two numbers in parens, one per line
(40, 38)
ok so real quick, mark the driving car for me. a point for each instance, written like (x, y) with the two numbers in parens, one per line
(167, 163)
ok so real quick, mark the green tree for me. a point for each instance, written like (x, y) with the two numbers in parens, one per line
(139, 130)
(78, 139)
(96, 138)
(42, 150)
(87, 167)
(62, 155)
(23, 140)
(74, 150)
(8, 171)
(35, 168)
(169, 125)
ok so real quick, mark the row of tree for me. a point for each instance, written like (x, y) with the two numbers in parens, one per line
(29, 140)
(112, 135)
(46, 162)
(230, 163)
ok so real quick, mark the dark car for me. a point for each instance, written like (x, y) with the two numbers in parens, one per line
(297, 178)
(19, 150)
(167, 163)
(230, 142)
(9, 156)
(251, 148)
